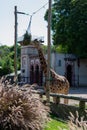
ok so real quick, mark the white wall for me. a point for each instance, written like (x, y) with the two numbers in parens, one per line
(26, 52)
(80, 72)
(83, 72)
(58, 63)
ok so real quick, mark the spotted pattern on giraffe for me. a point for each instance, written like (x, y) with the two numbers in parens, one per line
(58, 83)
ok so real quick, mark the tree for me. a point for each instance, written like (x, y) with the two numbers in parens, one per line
(27, 39)
(69, 25)
(7, 65)
(7, 59)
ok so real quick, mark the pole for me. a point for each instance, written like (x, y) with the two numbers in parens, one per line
(29, 26)
(15, 44)
(49, 44)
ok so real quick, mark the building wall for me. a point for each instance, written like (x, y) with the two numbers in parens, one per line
(26, 53)
(83, 72)
(79, 72)
(58, 63)
(61, 63)
(30, 65)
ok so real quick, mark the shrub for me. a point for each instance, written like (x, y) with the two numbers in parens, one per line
(20, 110)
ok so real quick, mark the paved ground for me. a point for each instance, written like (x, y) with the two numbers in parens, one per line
(78, 91)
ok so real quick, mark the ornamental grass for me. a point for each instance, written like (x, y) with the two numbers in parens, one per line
(20, 110)
(77, 122)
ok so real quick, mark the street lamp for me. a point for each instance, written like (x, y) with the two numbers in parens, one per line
(15, 40)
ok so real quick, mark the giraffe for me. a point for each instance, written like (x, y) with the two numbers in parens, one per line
(58, 84)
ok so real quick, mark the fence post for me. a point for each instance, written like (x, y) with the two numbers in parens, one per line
(82, 106)
(56, 100)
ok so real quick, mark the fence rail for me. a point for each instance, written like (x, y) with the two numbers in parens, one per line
(82, 100)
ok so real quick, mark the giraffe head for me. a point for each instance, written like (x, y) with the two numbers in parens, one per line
(37, 44)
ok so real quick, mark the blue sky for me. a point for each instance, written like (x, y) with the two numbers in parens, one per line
(38, 25)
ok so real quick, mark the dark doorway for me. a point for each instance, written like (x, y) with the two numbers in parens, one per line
(69, 74)
(37, 74)
(31, 74)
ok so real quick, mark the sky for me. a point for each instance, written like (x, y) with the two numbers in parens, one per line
(7, 19)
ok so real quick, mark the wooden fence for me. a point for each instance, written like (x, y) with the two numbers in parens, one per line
(82, 101)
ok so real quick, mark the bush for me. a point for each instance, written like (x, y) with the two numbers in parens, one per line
(20, 110)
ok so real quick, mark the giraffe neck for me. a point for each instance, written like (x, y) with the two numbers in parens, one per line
(42, 61)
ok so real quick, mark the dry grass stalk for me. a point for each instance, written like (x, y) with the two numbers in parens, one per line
(77, 123)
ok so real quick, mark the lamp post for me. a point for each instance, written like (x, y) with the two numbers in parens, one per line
(49, 51)
(15, 40)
